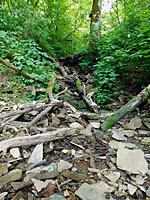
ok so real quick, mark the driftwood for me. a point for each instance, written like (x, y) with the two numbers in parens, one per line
(58, 65)
(35, 139)
(130, 106)
(23, 73)
(89, 101)
(43, 113)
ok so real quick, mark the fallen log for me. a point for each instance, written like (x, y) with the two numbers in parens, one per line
(35, 139)
(23, 73)
(129, 107)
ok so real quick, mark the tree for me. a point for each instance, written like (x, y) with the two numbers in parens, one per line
(96, 16)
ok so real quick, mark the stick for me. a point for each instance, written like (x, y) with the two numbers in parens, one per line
(43, 113)
(36, 139)
(23, 73)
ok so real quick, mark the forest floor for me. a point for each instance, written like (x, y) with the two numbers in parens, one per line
(58, 152)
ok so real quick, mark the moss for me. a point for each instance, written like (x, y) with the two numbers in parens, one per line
(95, 117)
(108, 123)
(79, 85)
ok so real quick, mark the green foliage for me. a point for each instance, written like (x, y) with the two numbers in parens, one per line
(105, 80)
(26, 55)
(52, 24)
(123, 53)
(79, 85)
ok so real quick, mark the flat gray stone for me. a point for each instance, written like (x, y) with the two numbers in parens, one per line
(128, 133)
(134, 123)
(113, 176)
(11, 176)
(63, 165)
(144, 133)
(132, 189)
(94, 191)
(146, 141)
(54, 197)
(116, 145)
(118, 136)
(39, 185)
(3, 168)
(15, 152)
(132, 161)
(37, 154)
(76, 125)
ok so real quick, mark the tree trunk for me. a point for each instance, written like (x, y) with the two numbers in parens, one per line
(95, 17)
(130, 106)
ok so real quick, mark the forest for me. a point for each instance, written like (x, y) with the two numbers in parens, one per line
(74, 99)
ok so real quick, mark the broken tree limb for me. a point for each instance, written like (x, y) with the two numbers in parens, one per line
(58, 65)
(44, 112)
(23, 73)
(89, 101)
(130, 106)
(36, 139)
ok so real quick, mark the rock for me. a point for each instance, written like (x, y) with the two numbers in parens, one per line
(74, 169)
(30, 196)
(75, 176)
(144, 133)
(118, 136)
(55, 120)
(131, 146)
(146, 141)
(26, 154)
(93, 170)
(76, 125)
(46, 175)
(87, 131)
(11, 176)
(63, 165)
(15, 152)
(19, 196)
(75, 115)
(94, 192)
(42, 129)
(132, 161)
(50, 168)
(134, 123)
(95, 124)
(54, 197)
(3, 168)
(20, 185)
(2, 195)
(128, 133)
(37, 154)
(148, 192)
(116, 145)
(147, 124)
(132, 189)
(28, 177)
(113, 176)
(139, 180)
(39, 185)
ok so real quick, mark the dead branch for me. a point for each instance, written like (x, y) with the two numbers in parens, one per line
(43, 113)
(35, 139)
(23, 73)
(89, 101)
(58, 65)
